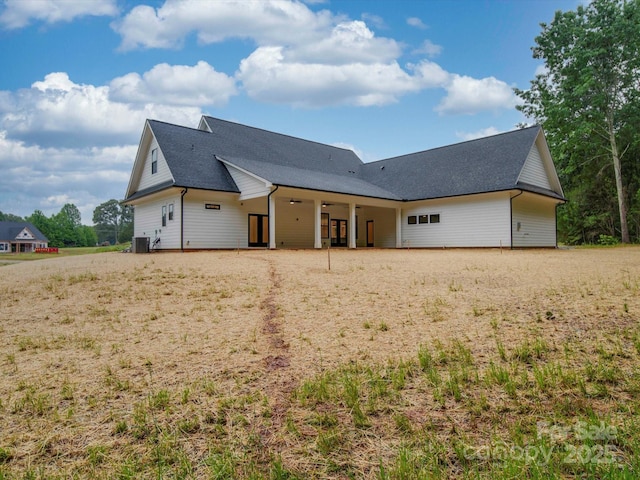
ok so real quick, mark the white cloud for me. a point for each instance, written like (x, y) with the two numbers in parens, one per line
(467, 95)
(267, 76)
(416, 22)
(429, 49)
(485, 132)
(348, 42)
(19, 13)
(57, 111)
(176, 85)
(268, 22)
(46, 178)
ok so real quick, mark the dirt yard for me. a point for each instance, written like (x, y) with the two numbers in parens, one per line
(101, 353)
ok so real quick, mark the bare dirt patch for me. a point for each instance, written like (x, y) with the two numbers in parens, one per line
(99, 352)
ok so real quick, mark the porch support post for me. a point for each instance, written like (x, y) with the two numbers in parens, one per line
(398, 227)
(272, 223)
(317, 243)
(352, 228)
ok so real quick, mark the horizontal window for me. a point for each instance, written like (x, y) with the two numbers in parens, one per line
(434, 218)
(423, 218)
(412, 219)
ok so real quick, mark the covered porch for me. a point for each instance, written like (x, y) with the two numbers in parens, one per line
(300, 218)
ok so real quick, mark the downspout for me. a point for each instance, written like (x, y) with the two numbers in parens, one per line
(269, 210)
(182, 194)
(511, 216)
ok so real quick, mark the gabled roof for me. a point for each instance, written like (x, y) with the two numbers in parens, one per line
(190, 155)
(9, 231)
(196, 159)
(487, 164)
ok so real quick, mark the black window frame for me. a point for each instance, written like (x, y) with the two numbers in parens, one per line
(412, 219)
(171, 212)
(422, 219)
(164, 215)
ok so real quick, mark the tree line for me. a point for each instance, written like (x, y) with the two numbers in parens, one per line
(113, 223)
(587, 99)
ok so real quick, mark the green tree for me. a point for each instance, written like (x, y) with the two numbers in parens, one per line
(10, 217)
(113, 221)
(68, 223)
(45, 225)
(587, 97)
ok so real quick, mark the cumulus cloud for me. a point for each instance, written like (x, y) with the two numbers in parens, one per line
(20, 13)
(429, 49)
(416, 22)
(41, 178)
(56, 111)
(485, 132)
(467, 95)
(176, 85)
(265, 21)
(267, 76)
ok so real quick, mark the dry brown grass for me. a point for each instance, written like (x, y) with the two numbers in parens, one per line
(135, 365)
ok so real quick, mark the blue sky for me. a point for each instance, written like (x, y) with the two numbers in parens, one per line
(78, 78)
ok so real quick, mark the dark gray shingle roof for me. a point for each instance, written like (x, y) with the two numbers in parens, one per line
(484, 165)
(240, 141)
(190, 156)
(10, 230)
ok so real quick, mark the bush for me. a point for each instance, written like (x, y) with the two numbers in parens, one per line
(607, 240)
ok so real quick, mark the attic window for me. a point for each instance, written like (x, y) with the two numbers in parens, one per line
(154, 161)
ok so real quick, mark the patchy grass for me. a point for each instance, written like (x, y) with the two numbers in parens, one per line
(395, 364)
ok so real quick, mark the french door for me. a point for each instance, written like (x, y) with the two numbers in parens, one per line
(338, 233)
(258, 230)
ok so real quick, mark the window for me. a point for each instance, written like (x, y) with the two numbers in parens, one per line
(423, 219)
(164, 215)
(2, 247)
(412, 219)
(212, 206)
(324, 225)
(154, 161)
(434, 218)
(170, 211)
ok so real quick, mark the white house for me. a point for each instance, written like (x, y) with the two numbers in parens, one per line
(21, 237)
(226, 185)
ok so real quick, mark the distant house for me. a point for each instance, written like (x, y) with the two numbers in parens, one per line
(227, 185)
(21, 237)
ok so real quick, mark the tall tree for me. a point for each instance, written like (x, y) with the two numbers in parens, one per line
(68, 222)
(113, 220)
(10, 217)
(587, 98)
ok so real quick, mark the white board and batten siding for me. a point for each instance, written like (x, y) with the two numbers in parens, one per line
(533, 221)
(226, 227)
(163, 174)
(481, 220)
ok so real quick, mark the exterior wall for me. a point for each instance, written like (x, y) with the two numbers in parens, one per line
(148, 220)
(250, 186)
(481, 220)
(294, 224)
(147, 179)
(384, 226)
(533, 171)
(227, 227)
(533, 221)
